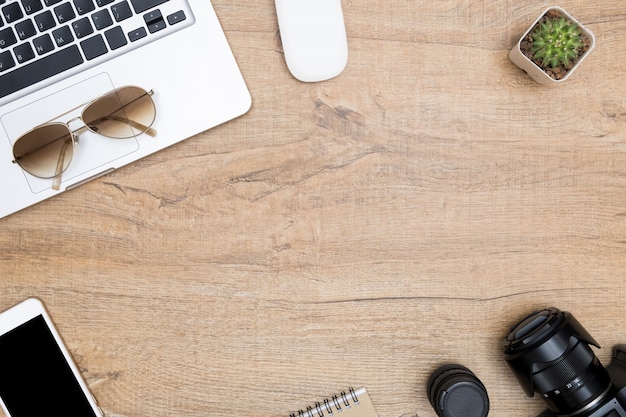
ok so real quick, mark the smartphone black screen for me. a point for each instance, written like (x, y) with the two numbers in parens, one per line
(35, 379)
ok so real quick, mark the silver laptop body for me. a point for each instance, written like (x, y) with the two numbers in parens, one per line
(176, 48)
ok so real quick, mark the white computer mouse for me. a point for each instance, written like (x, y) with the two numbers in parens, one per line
(314, 39)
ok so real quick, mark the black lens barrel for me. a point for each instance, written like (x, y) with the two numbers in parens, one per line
(549, 353)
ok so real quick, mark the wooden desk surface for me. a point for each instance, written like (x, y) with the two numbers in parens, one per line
(355, 232)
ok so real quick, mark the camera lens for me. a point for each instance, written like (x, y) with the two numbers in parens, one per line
(549, 354)
(454, 391)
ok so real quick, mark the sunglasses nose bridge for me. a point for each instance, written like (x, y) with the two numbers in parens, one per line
(75, 132)
(72, 120)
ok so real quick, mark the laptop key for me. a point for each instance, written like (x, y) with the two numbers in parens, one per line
(39, 70)
(101, 19)
(6, 61)
(121, 11)
(43, 44)
(32, 6)
(154, 21)
(94, 47)
(7, 38)
(62, 36)
(25, 29)
(82, 27)
(84, 6)
(115, 37)
(137, 34)
(174, 18)
(64, 13)
(23, 53)
(45, 21)
(12, 12)
(141, 6)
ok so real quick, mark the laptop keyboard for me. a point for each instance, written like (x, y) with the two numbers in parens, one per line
(40, 39)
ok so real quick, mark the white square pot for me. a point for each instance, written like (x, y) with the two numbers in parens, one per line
(535, 72)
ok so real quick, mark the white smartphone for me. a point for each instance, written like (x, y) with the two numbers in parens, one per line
(37, 374)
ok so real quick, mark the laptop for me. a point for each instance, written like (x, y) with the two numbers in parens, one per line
(58, 55)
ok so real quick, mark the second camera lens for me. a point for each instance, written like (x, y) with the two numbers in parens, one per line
(454, 391)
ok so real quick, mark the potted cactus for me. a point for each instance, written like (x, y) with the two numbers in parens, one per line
(553, 47)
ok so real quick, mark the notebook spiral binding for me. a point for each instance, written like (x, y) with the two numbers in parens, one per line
(336, 404)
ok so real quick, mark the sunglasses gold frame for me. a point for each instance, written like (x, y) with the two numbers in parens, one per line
(72, 135)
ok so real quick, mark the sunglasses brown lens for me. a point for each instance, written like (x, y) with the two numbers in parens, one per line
(121, 114)
(46, 151)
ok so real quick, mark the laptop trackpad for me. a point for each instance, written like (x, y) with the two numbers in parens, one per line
(93, 153)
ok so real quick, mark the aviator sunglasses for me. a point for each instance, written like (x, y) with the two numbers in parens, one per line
(47, 150)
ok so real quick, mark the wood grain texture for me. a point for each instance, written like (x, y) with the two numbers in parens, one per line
(355, 232)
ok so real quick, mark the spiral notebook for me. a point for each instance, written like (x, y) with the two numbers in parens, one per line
(345, 404)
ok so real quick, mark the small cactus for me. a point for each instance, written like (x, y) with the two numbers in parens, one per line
(556, 42)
